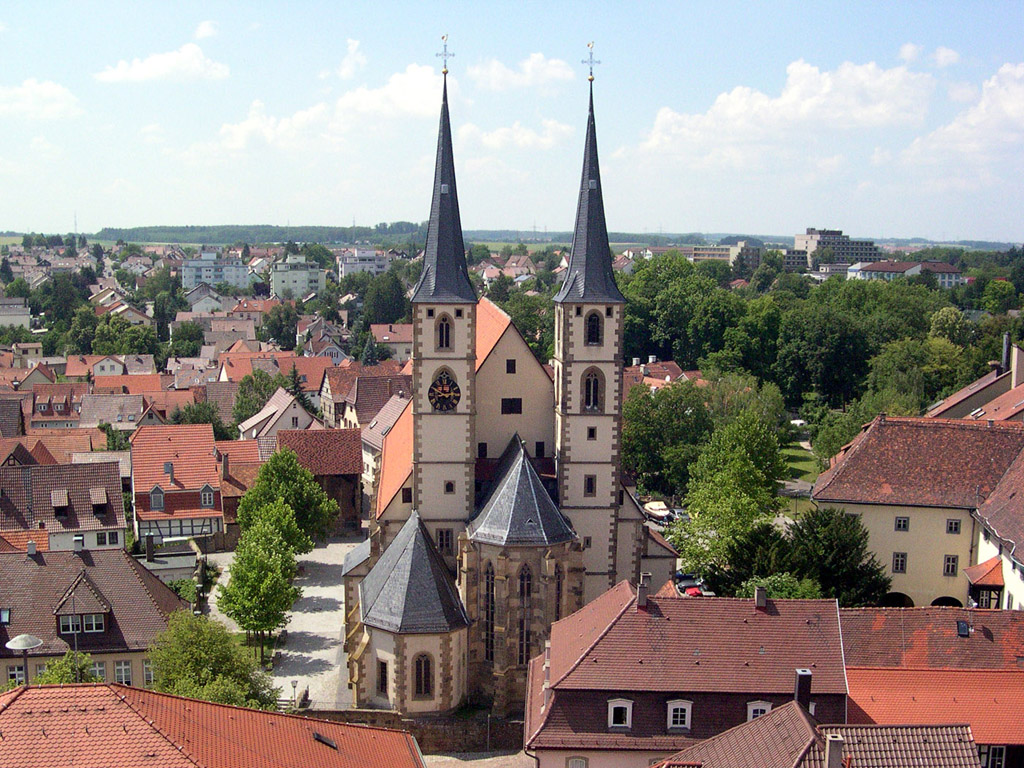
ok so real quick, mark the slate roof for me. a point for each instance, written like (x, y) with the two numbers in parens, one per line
(128, 727)
(409, 589)
(445, 277)
(927, 638)
(519, 512)
(991, 701)
(589, 276)
(356, 556)
(27, 501)
(325, 451)
(39, 587)
(922, 462)
(120, 411)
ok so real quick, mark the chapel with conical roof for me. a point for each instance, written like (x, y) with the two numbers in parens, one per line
(498, 506)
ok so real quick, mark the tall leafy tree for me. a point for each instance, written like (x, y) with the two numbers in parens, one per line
(384, 300)
(72, 667)
(203, 413)
(279, 324)
(253, 392)
(187, 341)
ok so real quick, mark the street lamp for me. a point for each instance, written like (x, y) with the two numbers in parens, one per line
(24, 643)
(295, 685)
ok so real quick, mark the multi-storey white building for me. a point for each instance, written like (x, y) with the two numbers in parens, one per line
(213, 271)
(296, 277)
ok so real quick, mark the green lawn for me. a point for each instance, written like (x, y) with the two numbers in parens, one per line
(803, 465)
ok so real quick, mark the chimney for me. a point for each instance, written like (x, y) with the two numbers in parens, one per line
(1004, 361)
(760, 598)
(225, 468)
(30, 548)
(79, 544)
(642, 590)
(652, 359)
(169, 470)
(802, 690)
(833, 751)
(636, 361)
(149, 547)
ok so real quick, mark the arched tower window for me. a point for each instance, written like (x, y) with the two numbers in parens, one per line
(559, 584)
(525, 598)
(592, 391)
(444, 333)
(525, 582)
(489, 613)
(423, 675)
(594, 329)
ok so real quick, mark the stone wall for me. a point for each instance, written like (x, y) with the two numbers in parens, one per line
(438, 734)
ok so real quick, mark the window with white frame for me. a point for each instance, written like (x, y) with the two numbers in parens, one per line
(679, 714)
(123, 672)
(576, 762)
(70, 624)
(92, 622)
(206, 497)
(147, 673)
(99, 670)
(992, 755)
(620, 713)
(757, 708)
(16, 674)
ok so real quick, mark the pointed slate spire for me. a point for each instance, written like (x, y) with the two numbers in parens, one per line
(518, 511)
(445, 277)
(589, 277)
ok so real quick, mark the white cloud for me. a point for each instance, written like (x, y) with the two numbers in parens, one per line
(205, 29)
(989, 131)
(945, 57)
(909, 52)
(962, 92)
(38, 100)
(517, 135)
(43, 149)
(152, 133)
(881, 156)
(187, 63)
(3, 27)
(534, 70)
(354, 60)
(282, 132)
(415, 91)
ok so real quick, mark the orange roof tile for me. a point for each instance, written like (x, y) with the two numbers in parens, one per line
(491, 323)
(991, 701)
(135, 384)
(395, 459)
(19, 540)
(987, 574)
(246, 451)
(190, 447)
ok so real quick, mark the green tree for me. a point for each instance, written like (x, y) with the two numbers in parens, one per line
(187, 340)
(661, 435)
(369, 355)
(295, 389)
(97, 251)
(831, 548)
(500, 288)
(384, 300)
(203, 413)
(79, 337)
(70, 668)
(18, 288)
(6, 273)
(164, 312)
(999, 296)
(260, 593)
(783, 586)
(950, 324)
(117, 439)
(253, 392)
(283, 478)
(280, 323)
(198, 658)
(761, 550)
(748, 436)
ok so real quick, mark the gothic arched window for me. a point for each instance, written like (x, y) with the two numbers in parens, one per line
(559, 583)
(592, 391)
(489, 613)
(525, 582)
(594, 329)
(525, 593)
(444, 333)
(423, 676)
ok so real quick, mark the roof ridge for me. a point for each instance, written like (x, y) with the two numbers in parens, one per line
(600, 636)
(123, 698)
(137, 569)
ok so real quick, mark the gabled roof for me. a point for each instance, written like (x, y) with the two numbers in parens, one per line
(392, 333)
(120, 411)
(115, 724)
(325, 451)
(409, 589)
(279, 402)
(189, 447)
(927, 638)
(134, 384)
(991, 701)
(29, 493)
(369, 393)
(375, 432)
(922, 462)
(938, 409)
(519, 512)
(81, 596)
(1004, 407)
(589, 277)
(986, 574)
(340, 378)
(445, 278)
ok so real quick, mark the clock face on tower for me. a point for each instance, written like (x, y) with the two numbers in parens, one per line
(444, 393)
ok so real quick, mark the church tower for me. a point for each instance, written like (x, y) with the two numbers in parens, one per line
(588, 384)
(444, 363)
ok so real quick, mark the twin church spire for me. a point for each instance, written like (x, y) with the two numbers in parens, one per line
(445, 277)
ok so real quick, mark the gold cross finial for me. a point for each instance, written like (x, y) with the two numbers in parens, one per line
(591, 61)
(444, 55)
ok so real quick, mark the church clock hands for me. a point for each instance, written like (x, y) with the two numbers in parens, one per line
(444, 394)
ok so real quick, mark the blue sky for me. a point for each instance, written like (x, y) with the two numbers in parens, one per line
(882, 119)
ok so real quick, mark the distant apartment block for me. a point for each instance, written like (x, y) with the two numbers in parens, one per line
(213, 271)
(843, 248)
(15, 311)
(947, 275)
(355, 260)
(296, 277)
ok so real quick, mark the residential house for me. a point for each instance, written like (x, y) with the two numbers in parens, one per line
(176, 482)
(100, 602)
(55, 405)
(76, 506)
(355, 260)
(122, 412)
(15, 311)
(632, 678)
(253, 309)
(296, 277)
(203, 298)
(127, 312)
(368, 395)
(239, 462)
(212, 270)
(373, 435)
(397, 337)
(946, 275)
(338, 381)
(334, 456)
(116, 724)
(310, 371)
(282, 411)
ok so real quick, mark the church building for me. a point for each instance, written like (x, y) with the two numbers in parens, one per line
(499, 506)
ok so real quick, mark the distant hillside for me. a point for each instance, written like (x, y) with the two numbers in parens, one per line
(226, 234)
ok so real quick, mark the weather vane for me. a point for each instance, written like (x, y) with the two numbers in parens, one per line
(590, 60)
(444, 55)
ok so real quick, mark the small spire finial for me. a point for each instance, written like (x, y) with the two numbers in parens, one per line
(444, 55)
(590, 60)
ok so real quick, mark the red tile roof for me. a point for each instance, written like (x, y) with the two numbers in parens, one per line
(134, 384)
(325, 451)
(246, 451)
(992, 702)
(128, 727)
(922, 462)
(369, 394)
(986, 574)
(29, 493)
(927, 637)
(392, 333)
(340, 378)
(190, 447)
(1006, 406)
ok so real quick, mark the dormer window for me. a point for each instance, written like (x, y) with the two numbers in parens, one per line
(58, 407)
(620, 713)
(59, 501)
(206, 497)
(679, 714)
(756, 709)
(156, 498)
